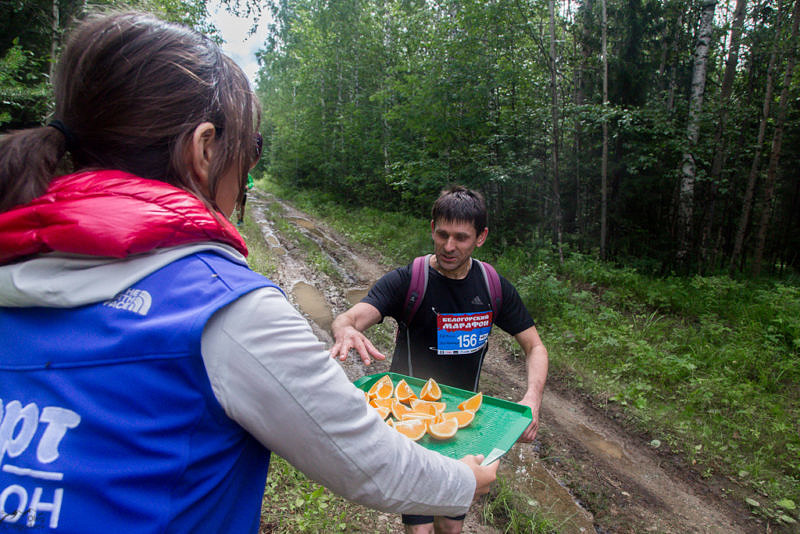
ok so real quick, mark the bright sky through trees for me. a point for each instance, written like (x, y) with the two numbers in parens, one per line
(239, 43)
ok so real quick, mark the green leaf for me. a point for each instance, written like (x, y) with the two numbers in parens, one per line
(752, 502)
(788, 504)
(786, 519)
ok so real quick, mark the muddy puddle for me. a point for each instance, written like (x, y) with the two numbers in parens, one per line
(600, 445)
(273, 243)
(312, 303)
(355, 295)
(312, 231)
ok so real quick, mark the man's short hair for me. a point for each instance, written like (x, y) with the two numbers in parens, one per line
(459, 204)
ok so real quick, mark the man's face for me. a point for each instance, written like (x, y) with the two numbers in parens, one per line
(453, 243)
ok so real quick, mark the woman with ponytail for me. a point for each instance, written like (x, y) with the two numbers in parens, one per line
(145, 371)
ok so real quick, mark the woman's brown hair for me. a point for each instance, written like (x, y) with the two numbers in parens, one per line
(130, 89)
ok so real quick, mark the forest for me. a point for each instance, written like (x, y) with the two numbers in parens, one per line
(652, 133)
(658, 134)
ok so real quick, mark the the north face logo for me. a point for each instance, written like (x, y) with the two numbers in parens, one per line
(133, 300)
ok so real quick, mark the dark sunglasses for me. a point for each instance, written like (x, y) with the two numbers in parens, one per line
(259, 143)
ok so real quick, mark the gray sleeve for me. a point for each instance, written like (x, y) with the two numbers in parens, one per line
(271, 375)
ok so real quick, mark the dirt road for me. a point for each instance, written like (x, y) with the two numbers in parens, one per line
(586, 469)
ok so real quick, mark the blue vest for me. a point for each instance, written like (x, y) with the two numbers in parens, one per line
(108, 422)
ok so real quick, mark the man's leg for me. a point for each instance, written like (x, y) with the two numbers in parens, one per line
(448, 525)
(418, 524)
(240, 209)
(426, 528)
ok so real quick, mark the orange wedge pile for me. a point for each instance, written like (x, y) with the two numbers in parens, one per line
(416, 415)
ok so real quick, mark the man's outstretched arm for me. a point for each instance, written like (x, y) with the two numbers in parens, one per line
(348, 329)
(536, 366)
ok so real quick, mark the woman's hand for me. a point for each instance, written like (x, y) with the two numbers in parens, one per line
(485, 475)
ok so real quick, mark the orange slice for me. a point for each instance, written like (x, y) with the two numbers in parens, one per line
(430, 391)
(423, 406)
(444, 430)
(411, 429)
(382, 389)
(390, 422)
(464, 417)
(403, 391)
(415, 416)
(383, 411)
(473, 403)
(381, 403)
(398, 408)
(418, 415)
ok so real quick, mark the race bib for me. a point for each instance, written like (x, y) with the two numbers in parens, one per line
(462, 333)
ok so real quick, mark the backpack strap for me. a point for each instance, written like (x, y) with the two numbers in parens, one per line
(417, 287)
(492, 280)
(419, 283)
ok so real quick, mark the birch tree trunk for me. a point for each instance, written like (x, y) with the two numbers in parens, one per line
(719, 144)
(777, 139)
(688, 165)
(747, 201)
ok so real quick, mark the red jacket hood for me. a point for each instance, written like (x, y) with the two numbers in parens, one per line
(111, 214)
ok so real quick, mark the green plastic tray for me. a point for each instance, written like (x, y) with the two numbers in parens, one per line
(496, 426)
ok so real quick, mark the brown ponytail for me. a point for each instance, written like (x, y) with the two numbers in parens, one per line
(131, 89)
(28, 161)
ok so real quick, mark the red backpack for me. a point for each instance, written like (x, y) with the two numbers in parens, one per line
(419, 283)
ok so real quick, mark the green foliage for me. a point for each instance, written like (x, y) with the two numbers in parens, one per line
(384, 103)
(24, 94)
(259, 257)
(293, 503)
(28, 51)
(192, 13)
(513, 513)
(710, 363)
(396, 123)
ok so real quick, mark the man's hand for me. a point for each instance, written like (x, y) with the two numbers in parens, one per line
(350, 338)
(485, 475)
(530, 433)
(348, 330)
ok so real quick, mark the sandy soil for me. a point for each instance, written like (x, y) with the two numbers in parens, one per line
(587, 469)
